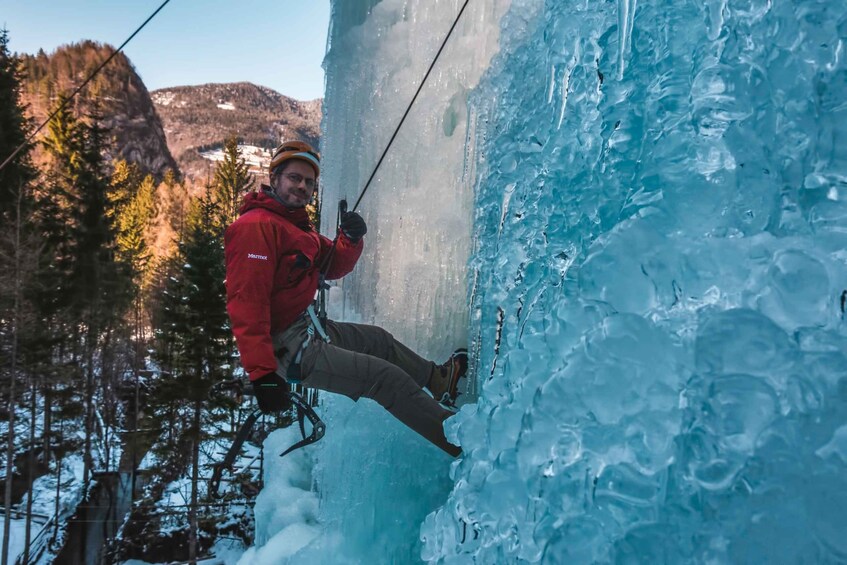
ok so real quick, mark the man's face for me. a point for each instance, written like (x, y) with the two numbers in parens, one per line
(295, 185)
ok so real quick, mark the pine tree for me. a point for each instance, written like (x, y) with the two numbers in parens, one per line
(133, 210)
(125, 180)
(174, 198)
(14, 128)
(231, 181)
(79, 213)
(193, 334)
(15, 190)
(56, 201)
(16, 176)
(77, 216)
(193, 326)
(17, 251)
(133, 220)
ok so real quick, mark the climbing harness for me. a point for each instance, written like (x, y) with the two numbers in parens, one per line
(317, 319)
(303, 410)
(316, 324)
(294, 373)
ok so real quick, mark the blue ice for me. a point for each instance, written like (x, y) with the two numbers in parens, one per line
(665, 283)
(645, 203)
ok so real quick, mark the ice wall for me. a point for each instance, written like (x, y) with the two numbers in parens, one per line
(376, 480)
(659, 280)
(419, 206)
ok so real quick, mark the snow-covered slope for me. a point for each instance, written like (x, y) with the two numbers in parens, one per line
(652, 197)
(197, 120)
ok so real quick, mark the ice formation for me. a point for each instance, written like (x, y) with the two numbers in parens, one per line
(376, 480)
(660, 230)
(653, 200)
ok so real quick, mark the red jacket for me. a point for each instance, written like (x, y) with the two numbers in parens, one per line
(273, 260)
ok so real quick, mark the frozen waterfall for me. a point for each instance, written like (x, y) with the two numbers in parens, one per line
(635, 213)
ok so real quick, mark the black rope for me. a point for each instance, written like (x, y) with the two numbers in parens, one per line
(328, 260)
(80, 87)
(409, 108)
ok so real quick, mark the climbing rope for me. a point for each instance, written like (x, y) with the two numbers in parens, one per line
(343, 204)
(409, 108)
(80, 87)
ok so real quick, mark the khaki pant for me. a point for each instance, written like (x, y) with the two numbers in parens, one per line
(363, 360)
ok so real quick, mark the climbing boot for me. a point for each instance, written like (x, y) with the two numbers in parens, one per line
(444, 381)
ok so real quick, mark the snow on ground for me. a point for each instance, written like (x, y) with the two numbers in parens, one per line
(44, 504)
(286, 510)
(255, 157)
(163, 98)
(17, 536)
(166, 98)
(44, 488)
(226, 106)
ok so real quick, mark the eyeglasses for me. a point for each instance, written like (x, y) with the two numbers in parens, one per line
(297, 179)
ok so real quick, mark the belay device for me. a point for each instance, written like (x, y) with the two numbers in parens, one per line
(302, 409)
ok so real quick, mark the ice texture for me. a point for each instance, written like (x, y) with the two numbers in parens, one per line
(286, 508)
(645, 205)
(657, 320)
(375, 480)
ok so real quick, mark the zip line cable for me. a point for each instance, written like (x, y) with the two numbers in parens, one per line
(80, 87)
(409, 108)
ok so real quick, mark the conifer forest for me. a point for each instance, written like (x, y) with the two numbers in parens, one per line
(111, 340)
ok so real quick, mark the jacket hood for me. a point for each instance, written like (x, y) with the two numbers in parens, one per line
(264, 198)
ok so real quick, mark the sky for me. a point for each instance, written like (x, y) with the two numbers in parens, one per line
(275, 43)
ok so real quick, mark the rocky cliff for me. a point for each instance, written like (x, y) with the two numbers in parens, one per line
(117, 95)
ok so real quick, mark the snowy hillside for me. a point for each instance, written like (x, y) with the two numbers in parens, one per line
(197, 120)
(257, 158)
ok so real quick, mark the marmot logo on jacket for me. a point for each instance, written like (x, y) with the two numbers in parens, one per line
(254, 256)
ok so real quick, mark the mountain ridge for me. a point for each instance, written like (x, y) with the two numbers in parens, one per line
(199, 118)
(171, 128)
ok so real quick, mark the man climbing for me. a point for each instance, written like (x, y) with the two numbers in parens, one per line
(274, 257)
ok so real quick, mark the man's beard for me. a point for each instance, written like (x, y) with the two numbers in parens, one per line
(298, 204)
(294, 200)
